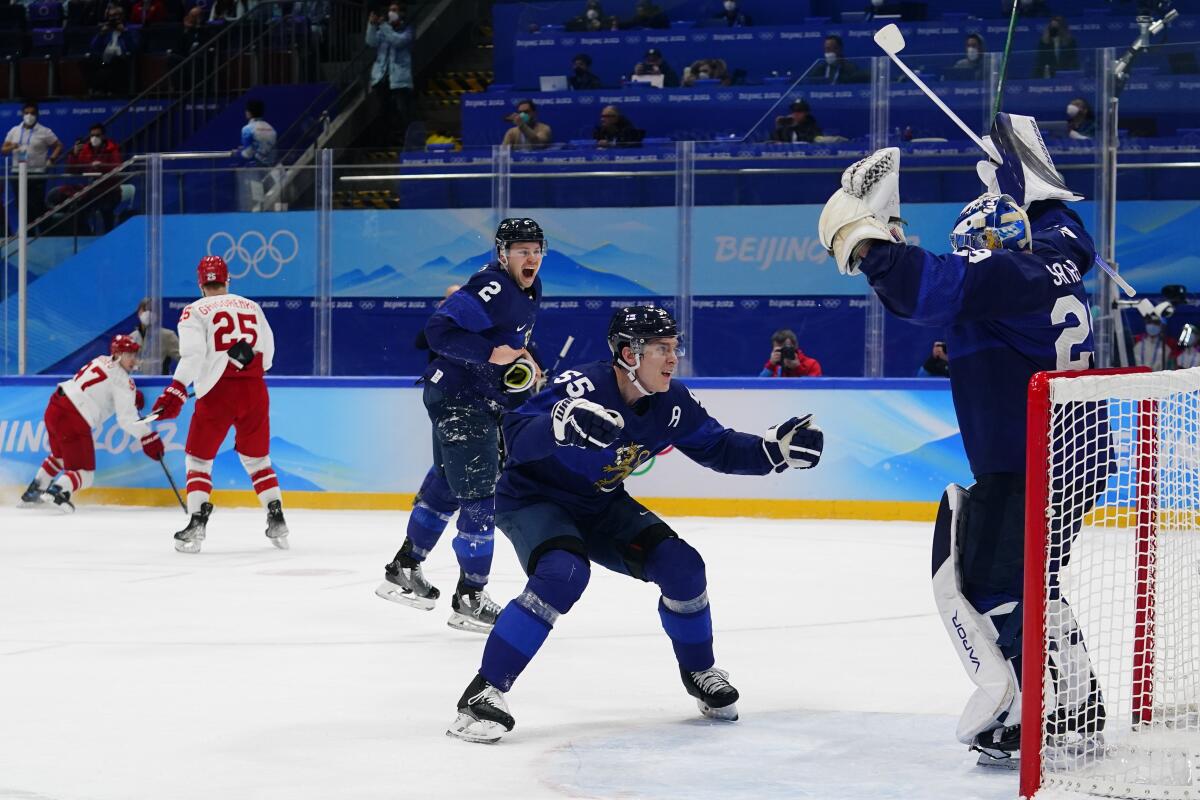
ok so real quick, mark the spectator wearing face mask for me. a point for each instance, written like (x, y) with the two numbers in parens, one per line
(101, 154)
(970, 66)
(798, 126)
(1152, 350)
(593, 18)
(705, 69)
(38, 146)
(1056, 49)
(837, 68)
(1081, 124)
(168, 339)
(582, 78)
(731, 16)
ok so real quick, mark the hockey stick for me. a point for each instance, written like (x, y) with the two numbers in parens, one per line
(174, 488)
(562, 353)
(1012, 23)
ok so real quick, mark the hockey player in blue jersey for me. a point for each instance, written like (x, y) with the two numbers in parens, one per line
(1012, 300)
(562, 502)
(481, 335)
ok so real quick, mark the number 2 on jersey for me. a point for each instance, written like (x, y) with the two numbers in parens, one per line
(1070, 306)
(224, 326)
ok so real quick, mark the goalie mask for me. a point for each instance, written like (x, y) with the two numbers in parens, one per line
(991, 222)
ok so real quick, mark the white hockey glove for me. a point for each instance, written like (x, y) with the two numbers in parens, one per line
(582, 423)
(796, 443)
(1020, 164)
(866, 207)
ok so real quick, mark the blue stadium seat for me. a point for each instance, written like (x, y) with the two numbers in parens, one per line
(46, 13)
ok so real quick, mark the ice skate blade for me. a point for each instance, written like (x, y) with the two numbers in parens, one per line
(479, 731)
(280, 541)
(62, 508)
(727, 713)
(991, 762)
(188, 547)
(392, 592)
(464, 622)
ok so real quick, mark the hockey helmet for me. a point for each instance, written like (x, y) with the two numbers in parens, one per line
(518, 229)
(991, 222)
(633, 326)
(212, 269)
(122, 344)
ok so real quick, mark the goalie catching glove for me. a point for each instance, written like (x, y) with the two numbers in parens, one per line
(867, 207)
(1020, 164)
(796, 443)
(582, 423)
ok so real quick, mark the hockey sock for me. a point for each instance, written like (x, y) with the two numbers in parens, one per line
(199, 482)
(475, 540)
(555, 585)
(683, 608)
(262, 476)
(75, 480)
(432, 509)
(50, 467)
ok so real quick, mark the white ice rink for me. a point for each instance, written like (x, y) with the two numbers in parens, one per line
(128, 670)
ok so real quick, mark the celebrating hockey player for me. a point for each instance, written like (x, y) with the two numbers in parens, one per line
(225, 347)
(561, 501)
(481, 335)
(101, 388)
(1011, 296)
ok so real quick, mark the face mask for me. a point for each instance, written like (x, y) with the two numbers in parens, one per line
(30, 119)
(1153, 329)
(144, 318)
(95, 140)
(593, 14)
(524, 117)
(831, 58)
(877, 3)
(730, 6)
(393, 17)
(1072, 110)
(972, 53)
(702, 75)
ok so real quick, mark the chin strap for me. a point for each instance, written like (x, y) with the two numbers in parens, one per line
(631, 373)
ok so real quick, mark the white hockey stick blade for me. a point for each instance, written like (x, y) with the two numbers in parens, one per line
(1116, 276)
(149, 417)
(892, 41)
(566, 346)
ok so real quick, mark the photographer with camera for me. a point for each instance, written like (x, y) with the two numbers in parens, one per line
(938, 363)
(787, 359)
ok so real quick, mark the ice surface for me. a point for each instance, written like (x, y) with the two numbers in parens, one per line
(128, 670)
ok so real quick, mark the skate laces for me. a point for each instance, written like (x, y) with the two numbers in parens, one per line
(712, 680)
(483, 603)
(490, 696)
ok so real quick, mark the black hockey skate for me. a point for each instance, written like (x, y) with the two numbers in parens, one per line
(404, 582)
(31, 497)
(277, 529)
(714, 694)
(482, 714)
(189, 539)
(61, 499)
(473, 610)
(999, 747)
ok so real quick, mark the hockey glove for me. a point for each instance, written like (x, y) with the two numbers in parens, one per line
(241, 354)
(152, 446)
(1021, 166)
(582, 423)
(866, 207)
(170, 402)
(796, 443)
(139, 399)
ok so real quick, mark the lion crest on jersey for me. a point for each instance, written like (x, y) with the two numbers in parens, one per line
(629, 458)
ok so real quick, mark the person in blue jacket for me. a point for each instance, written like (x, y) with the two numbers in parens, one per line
(391, 73)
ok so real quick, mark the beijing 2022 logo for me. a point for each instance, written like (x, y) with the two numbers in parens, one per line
(253, 250)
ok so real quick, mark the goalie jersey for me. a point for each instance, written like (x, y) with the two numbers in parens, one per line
(1008, 315)
(584, 481)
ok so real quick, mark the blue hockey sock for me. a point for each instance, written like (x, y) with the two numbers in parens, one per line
(432, 509)
(475, 540)
(679, 572)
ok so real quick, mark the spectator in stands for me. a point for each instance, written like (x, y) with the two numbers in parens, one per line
(615, 130)
(527, 131)
(1152, 348)
(194, 33)
(970, 66)
(787, 359)
(837, 68)
(168, 339)
(646, 15)
(1188, 355)
(654, 64)
(731, 16)
(593, 18)
(706, 69)
(582, 78)
(101, 154)
(391, 74)
(40, 147)
(938, 363)
(112, 53)
(1081, 123)
(256, 156)
(145, 12)
(798, 126)
(1056, 49)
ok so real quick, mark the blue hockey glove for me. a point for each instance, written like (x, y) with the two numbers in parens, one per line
(582, 423)
(796, 443)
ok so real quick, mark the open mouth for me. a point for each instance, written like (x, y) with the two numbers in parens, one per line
(528, 273)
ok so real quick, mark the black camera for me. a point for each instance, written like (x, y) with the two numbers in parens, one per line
(787, 352)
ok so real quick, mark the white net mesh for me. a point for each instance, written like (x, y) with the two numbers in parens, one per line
(1122, 586)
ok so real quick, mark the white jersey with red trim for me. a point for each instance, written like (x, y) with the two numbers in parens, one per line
(100, 389)
(209, 327)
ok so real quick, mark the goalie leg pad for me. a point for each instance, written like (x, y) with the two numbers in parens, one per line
(1074, 704)
(973, 634)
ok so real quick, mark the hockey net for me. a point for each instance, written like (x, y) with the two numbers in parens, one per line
(1112, 586)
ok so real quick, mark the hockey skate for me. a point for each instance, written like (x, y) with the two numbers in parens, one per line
(482, 714)
(714, 694)
(31, 497)
(999, 748)
(189, 539)
(277, 529)
(60, 497)
(473, 610)
(404, 582)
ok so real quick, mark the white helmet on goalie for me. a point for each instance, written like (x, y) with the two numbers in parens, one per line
(991, 222)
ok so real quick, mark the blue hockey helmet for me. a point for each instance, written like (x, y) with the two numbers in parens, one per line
(991, 222)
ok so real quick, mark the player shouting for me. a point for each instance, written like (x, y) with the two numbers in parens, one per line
(225, 347)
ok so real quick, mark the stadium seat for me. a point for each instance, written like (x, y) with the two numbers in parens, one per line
(46, 14)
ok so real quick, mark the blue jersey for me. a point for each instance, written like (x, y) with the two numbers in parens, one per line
(1008, 316)
(490, 310)
(258, 143)
(585, 481)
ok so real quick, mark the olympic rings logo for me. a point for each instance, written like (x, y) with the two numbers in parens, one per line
(251, 248)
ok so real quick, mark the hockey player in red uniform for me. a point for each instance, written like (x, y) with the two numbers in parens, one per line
(225, 347)
(98, 390)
